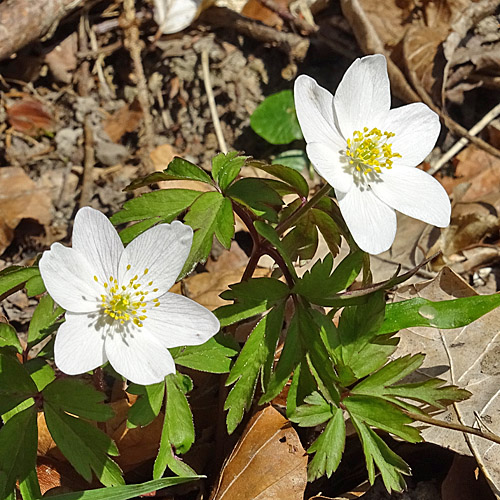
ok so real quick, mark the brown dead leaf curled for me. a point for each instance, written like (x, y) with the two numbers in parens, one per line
(20, 199)
(467, 357)
(30, 117)
(268, 462)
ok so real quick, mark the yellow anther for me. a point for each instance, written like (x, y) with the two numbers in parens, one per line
(146, 271)
(128, 267)
(95, 279)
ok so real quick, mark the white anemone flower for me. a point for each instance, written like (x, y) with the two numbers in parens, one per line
(368, 152)
(118, 307)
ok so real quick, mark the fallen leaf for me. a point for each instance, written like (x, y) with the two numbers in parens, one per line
(268, 462)
(62, 60)
(30, 117)
(20, 199)
(126, 119)
(255, 9)
(467, 357)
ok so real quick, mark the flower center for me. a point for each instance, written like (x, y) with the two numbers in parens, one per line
(369, 150)
(128, 302)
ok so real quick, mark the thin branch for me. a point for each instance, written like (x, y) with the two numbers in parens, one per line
(295, 216)
(457, 427)
(211, 101)
(459, 145)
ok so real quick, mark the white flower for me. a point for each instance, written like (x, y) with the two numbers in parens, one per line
(118, 307)
(368, 152)
(173, 16)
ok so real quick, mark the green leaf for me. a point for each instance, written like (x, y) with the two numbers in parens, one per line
(203, 218)
(15, 383)
(391, 466)
(293, 158)
(18, 445)
(29, 487)
(289, 359)
(256, 195)
(147, 406)
(178, 169)
(253, 297)
(9, 338)
(126, 492)
(224, 228)
(358, 326)
(270, 234)
(35, 286)
(257, 352)
(13, 278)
(46, 313)
(226, 167)
(131, 232)
(162, 206)
(178, 417)
(275, 119)
(286, 174)
(445, 314)
(78, 398)
(302, 385)
(302, 241)
(377, 412)
(40, 371)
(214, 356)
(85, 446)
(320, 283)
(315, 411)
(328, 448)
(328, 229)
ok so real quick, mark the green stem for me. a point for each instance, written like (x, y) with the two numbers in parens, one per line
(295, 216)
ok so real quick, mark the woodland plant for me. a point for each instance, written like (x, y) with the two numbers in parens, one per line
(108, 300)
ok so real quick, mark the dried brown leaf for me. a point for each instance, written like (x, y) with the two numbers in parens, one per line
(268, 462)
(126, 119)
(30, 117)
(20, 199)
(467, 357)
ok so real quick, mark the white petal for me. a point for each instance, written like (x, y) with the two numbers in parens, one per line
(79, 344)
(417, 129)
(96, 238)
(371, 222)
(139, 357)
(363, 97)
(163, 251)
(327, 162)
(173, 16)
(314, 107)
(69, 279)
(179, 321)
(414, 193)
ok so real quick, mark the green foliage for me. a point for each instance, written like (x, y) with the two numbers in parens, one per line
(9, 338)
(256, 357)
(226, 167)
(214, 356)
(258, 196)
(320, 284)
(286, 174)
(251, 297)
(18, 446)
(86, 447)
(14, 278)
(293, 158)
(178, 429)
(147, 406)
(78, 398)
(454, 313)
(275, 119)
(178, 169)
(207, 216)
(43, 318)
(15, 383)
(128, 491)
(153, 208)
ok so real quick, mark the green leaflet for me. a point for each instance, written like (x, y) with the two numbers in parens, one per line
(256, 355)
